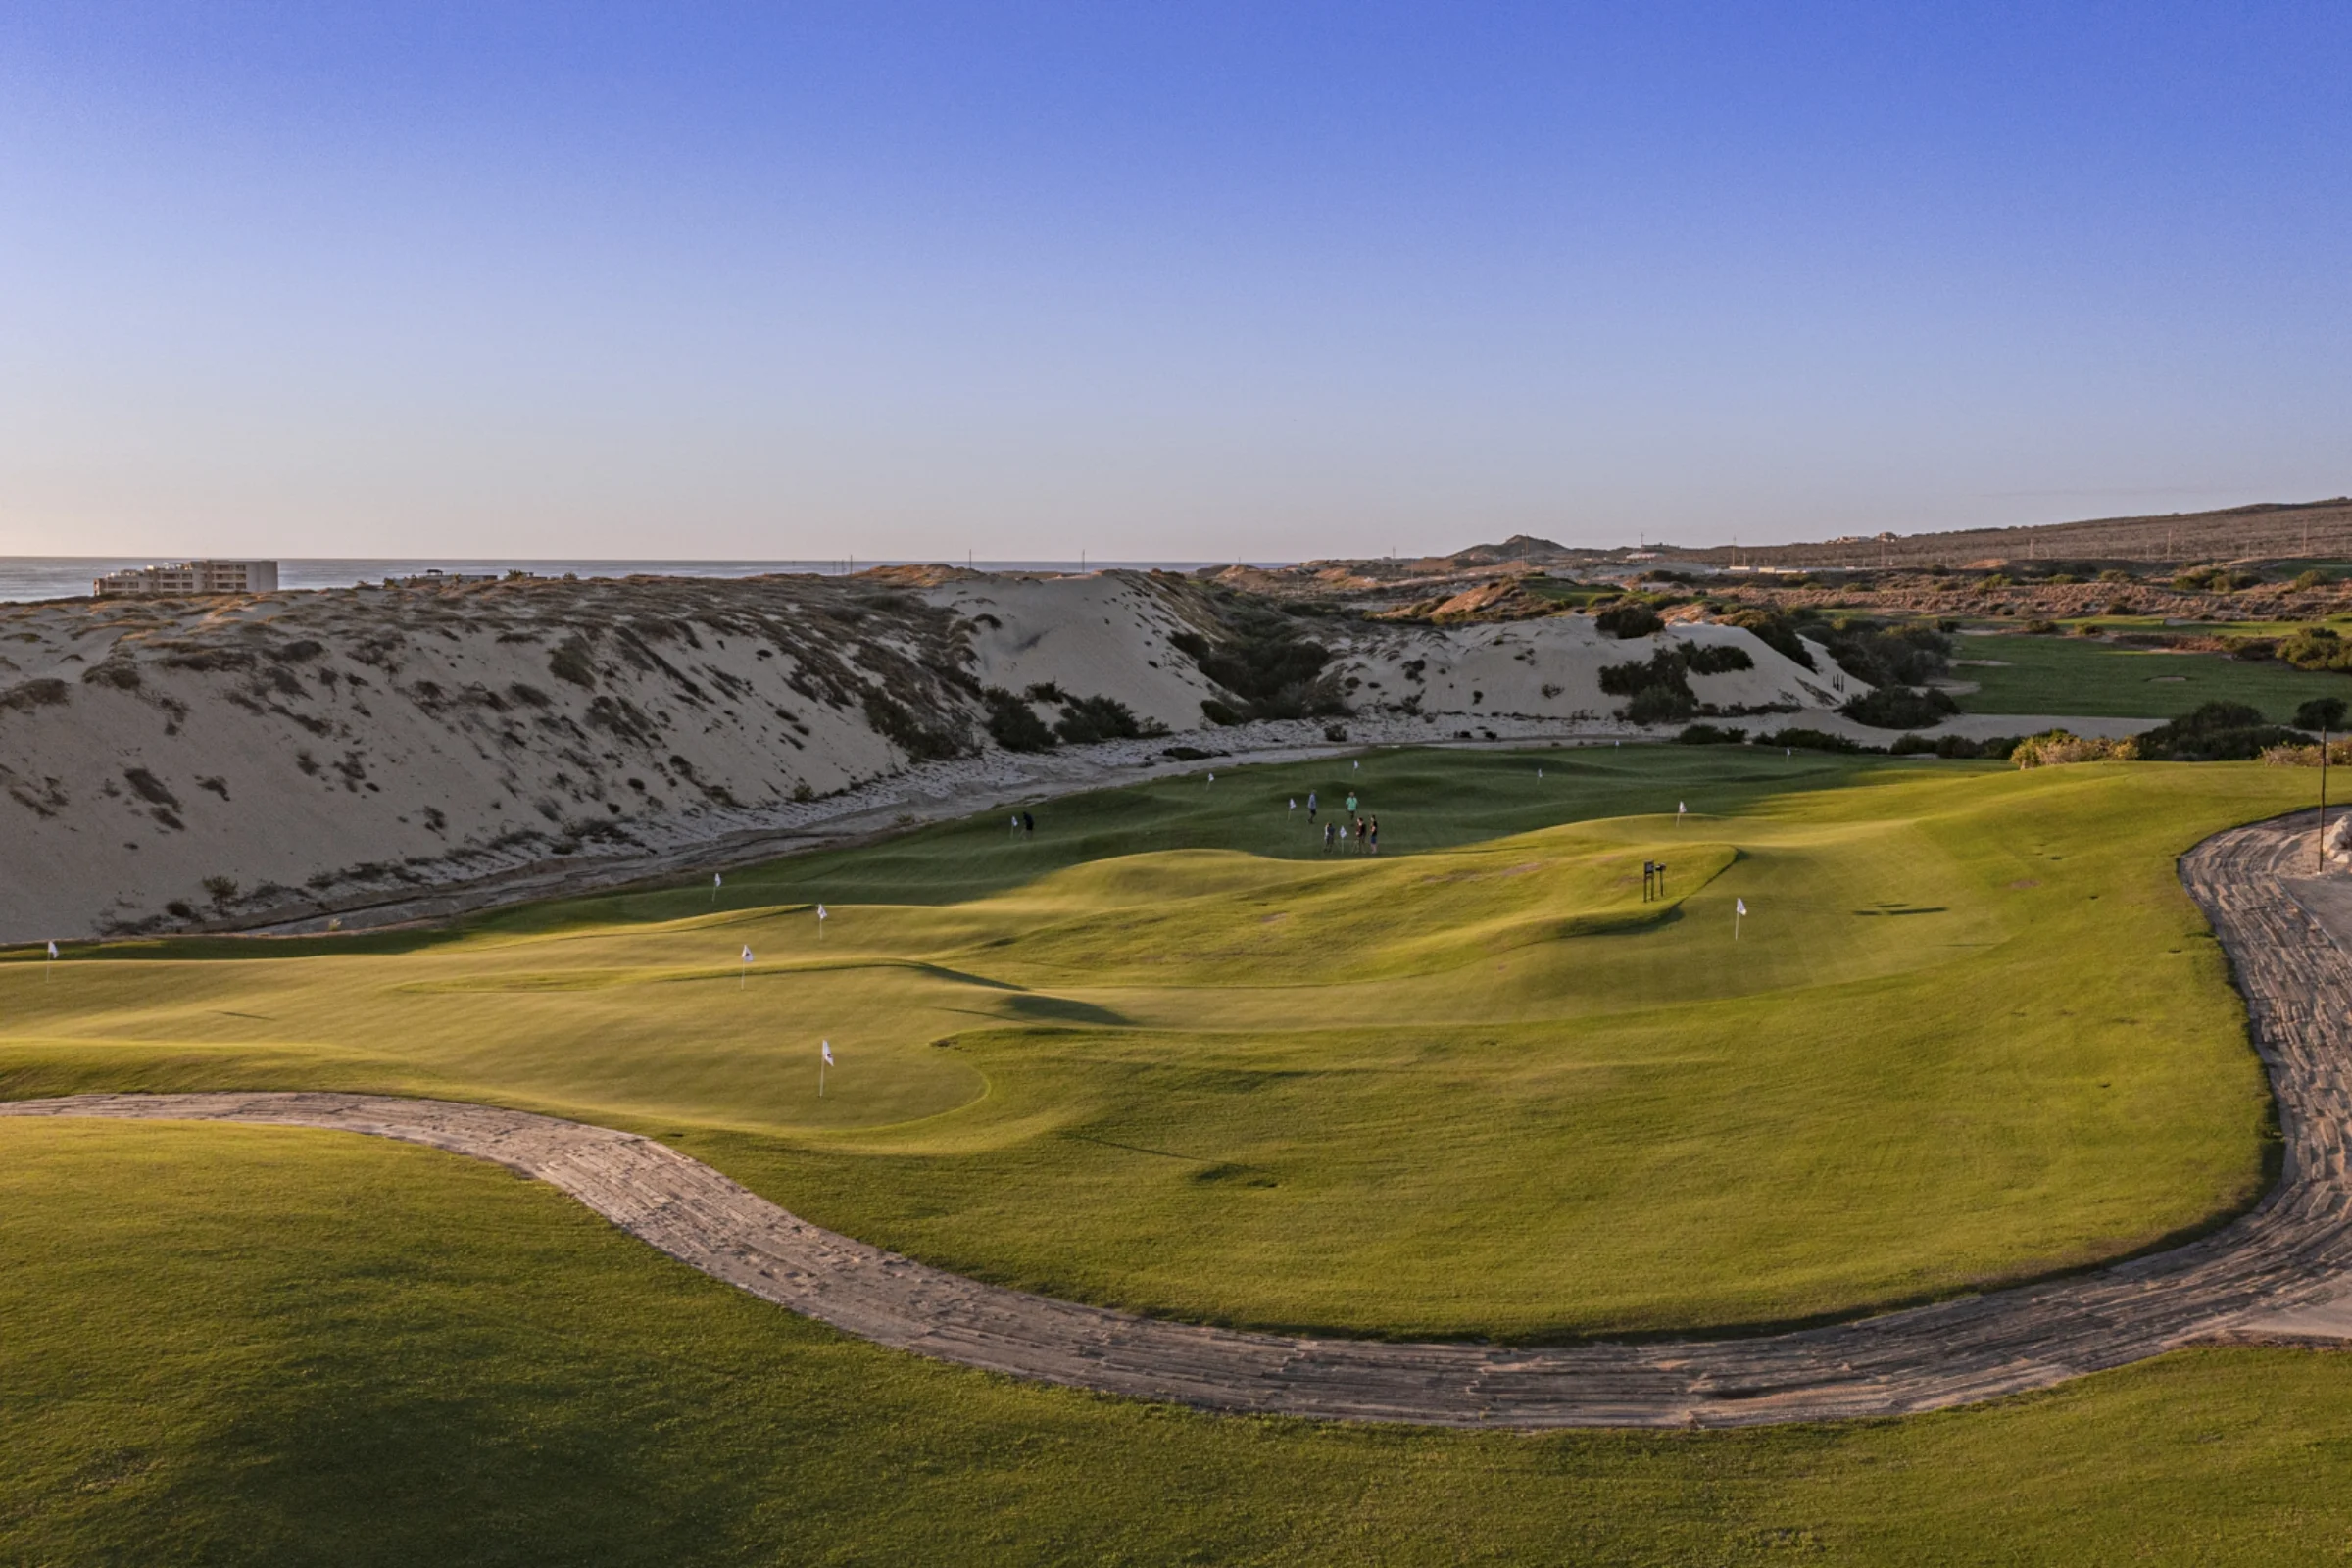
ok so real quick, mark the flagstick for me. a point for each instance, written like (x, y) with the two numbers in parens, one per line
(820, 1078)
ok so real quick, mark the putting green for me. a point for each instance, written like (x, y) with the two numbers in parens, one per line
(1171, 1055)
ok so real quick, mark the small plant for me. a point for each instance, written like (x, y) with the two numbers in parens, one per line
(220, 890)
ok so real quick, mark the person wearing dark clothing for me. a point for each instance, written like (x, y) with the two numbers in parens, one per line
(1028, 823)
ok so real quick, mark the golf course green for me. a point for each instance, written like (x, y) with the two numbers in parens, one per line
(1169, 1052)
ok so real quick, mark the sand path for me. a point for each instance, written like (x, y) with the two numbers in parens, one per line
(2282, 1271)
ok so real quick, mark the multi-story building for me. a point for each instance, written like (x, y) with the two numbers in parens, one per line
(191, 578)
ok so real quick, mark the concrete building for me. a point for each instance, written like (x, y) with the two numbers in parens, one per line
(190, 578)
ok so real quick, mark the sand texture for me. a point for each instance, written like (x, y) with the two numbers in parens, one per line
(259, 761)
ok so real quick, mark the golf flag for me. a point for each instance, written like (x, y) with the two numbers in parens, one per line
(716, 879)
(1739, 906)
(824, 1061)
(820, 912)
(747, 953)
(825, 1048)
(53, 950)
(747, 966)
(714, 887)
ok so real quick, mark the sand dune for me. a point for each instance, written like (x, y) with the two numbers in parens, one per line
(170, 764)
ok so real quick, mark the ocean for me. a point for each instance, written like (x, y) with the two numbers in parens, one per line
(24, 577)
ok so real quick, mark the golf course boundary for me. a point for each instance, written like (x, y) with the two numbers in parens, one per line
(2281, 1271)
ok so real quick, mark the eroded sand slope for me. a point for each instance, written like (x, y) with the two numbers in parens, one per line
(169, 763)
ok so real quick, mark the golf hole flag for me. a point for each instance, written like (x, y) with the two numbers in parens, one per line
(1738, 914)
(825, 1049)
(824, 1060)
(53, 950)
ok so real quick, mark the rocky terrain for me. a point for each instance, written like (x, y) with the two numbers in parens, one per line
(267, 760)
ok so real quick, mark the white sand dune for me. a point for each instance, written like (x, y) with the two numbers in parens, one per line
(168, 765)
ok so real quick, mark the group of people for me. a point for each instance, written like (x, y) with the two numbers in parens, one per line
(1364, 830)
(1024, 824)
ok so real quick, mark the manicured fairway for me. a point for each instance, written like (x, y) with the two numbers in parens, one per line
(2076, 675)
(1972, 1031)
(232, 1346)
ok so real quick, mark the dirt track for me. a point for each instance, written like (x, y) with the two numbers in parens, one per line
(2282, 1271)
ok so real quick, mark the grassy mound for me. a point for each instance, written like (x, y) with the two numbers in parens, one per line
(1172, 1053)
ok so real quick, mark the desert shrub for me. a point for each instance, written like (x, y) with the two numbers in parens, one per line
(2339, 755)
(2315, 578)
(1658, 688)
(1718, 659)
(1013, 724)
(2060, 747)
(1217, 713)
(1334, 732)
(119, 674)
(1887, 655)
(2217, 732)
(221, 889)
(2113, 575)
(42, 693)
(1263, 663)
(2251, 650)
(1088, 720)
(180, 909)
(569, 662)
(1710, 735)
(1629, 617)
(1900, 708)
(1776, 629)
(2040, 628)
(2315, 648)
(209, 660)
(1659, 704)
(922, 741)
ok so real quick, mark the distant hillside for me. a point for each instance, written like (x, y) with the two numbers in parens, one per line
(260, 759)
(2310, 529)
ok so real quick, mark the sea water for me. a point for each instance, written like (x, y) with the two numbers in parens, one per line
(24, 577)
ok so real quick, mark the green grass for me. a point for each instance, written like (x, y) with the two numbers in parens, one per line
(2074, 675)
(1169, 1055)
(1974, 1032)
(226, 1346)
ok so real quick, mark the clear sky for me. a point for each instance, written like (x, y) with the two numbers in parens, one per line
(1158, 280)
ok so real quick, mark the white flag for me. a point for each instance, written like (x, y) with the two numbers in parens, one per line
(716, 879)
(1679, 808)
(1738, 906)
(820, 912)
(826, 1046)
(747, 953)
(53, 950)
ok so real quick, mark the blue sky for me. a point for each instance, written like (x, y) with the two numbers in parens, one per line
(1164, 281)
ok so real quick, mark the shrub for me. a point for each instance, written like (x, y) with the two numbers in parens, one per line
(2309, 581)
(1087, 719)
(922, 741)
(1217, 713)
(1659, 704)
(1264, 663)
(1900, 708)
(569, 662)
(2059, 747)
(2321, 712)
(2217, 732)
(41, 693)
(2112, 574)
(221, 889)
(1659, 688)
(1775, 629)
(1013, 724)
(2039, 628)
(2315, 648)
(1887, 656)
(1718, 659)
(1709, 735)
(1628, 618)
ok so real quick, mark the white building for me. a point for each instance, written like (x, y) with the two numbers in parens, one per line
(191, 578)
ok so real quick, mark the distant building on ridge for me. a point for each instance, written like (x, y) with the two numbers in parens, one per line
(190, 578)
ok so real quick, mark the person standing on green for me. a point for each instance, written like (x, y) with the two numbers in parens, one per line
(1351, 803)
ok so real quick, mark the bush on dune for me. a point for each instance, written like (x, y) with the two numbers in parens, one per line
(2217, 732)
